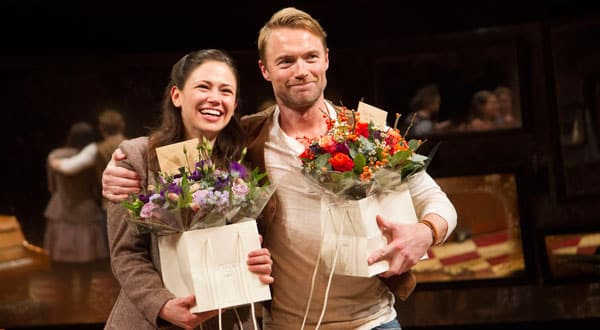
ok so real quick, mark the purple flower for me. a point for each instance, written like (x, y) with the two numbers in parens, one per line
(343, 148)
(174, 188)
(144, 198)
(147, 209)
(238, 170)
(221, 180)
(315, 148)
(376, 134)
(240, 188)
(221, 199)
(202, 197)
(196, 175)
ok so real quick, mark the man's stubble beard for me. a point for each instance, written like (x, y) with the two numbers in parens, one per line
(302, 103)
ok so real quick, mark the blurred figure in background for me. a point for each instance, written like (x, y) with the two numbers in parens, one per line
(425, 107)
(75, 231)
(483, 112)
(507, 116)
(96, 154)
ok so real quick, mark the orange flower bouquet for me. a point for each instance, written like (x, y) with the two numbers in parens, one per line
(360, 169)
(357, 158)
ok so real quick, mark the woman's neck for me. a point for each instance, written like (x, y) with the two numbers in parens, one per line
(211, 142)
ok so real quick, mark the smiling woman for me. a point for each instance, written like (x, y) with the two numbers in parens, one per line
(198, 102)
(207, 105)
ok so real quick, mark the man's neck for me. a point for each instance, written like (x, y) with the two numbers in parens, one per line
(304, 123)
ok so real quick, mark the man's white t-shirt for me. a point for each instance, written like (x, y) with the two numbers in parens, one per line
(294, 237)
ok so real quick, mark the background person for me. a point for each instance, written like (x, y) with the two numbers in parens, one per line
(425, 107)
(74, 231)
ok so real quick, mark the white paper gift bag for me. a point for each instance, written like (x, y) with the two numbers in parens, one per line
(351, 233)
(211, 264)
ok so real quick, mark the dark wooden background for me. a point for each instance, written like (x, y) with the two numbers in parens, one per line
(61, 63)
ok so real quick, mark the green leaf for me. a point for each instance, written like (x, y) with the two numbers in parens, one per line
(134, 206)
(322, 161)
(399, 157)
(185, 198)
(353, 149)
(359, 162)
(419, 158)
(367, 145)
(414, 144)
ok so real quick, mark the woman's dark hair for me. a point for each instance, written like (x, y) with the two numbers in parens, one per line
(80, 135)
(230, 141)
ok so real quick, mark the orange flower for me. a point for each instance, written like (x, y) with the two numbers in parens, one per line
(330, 122)
(393, 138)
(341, 162)
(385, 152)
(366, 175)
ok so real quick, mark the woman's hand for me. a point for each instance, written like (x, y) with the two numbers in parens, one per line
(260, 263)
(177, 312)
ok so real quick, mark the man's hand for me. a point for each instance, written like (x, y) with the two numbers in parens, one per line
(177, 311)
(407, 243)
(118, 182)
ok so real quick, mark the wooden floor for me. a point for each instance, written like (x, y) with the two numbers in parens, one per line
(61, 294)
(80, 296)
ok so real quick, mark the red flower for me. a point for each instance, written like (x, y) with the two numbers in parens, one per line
(307, 154)
(327, 143)
(341, 162)
(362, 128)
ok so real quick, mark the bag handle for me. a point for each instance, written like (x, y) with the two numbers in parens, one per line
(245, 286)
(329, 280)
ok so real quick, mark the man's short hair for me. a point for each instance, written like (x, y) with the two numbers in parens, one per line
(289, 18)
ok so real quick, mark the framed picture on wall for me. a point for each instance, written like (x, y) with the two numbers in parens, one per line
(487, 242)
(576, 64)
(454, 89)
(573, 255)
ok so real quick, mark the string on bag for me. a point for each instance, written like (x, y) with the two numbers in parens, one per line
(211, 277)
(312, 285)
(239, 319)
(245, 287)
(312, 282)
